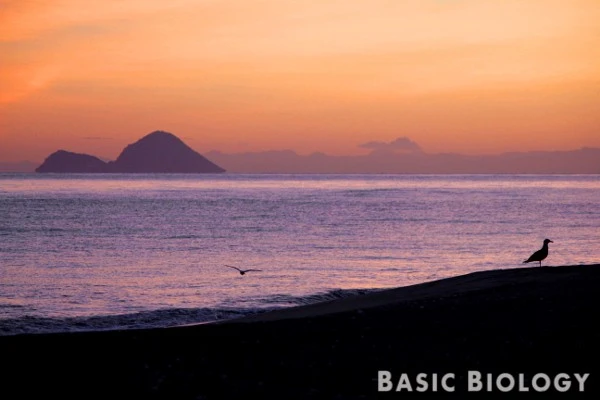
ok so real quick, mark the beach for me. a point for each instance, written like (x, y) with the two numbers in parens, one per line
(520, 322)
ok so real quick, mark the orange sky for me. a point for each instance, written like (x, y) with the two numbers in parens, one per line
(468, 76)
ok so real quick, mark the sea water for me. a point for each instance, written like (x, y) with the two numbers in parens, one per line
(104, 251)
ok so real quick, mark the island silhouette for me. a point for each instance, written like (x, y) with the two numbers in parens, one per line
(161, 151)
(157, 152)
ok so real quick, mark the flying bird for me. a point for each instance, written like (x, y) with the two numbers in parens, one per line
(540, 254)
(243, 271)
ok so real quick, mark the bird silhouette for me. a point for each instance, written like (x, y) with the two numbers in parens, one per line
(243, 271)
(540, 254)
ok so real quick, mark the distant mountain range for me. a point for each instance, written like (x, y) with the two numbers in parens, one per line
(163, 152)
(157, 152)
(583, 161)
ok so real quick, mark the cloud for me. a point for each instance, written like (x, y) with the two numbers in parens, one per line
(26, 19)
(401, 144)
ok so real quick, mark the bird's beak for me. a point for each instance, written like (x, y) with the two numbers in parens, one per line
(551, 241)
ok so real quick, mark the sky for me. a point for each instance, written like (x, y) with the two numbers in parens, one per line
(464, 76)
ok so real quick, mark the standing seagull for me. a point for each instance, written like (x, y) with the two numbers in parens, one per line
(243, 271)
(540, 254)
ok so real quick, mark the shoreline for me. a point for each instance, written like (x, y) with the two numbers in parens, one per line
(526, 320)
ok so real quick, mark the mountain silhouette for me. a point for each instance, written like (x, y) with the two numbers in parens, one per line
(157, 152)
(66, 161)
(162, 151)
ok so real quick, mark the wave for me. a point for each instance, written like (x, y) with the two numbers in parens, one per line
(184, 237)
(140, 320)
(167, 317)
(333, 294)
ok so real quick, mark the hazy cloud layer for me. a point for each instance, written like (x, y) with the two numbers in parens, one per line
(401, 144)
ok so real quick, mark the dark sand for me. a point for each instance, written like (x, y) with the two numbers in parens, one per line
(526, 320)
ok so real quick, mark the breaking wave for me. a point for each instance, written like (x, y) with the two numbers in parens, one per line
(166, 317)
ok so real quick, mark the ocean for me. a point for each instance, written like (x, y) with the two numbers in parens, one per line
(85, 252)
